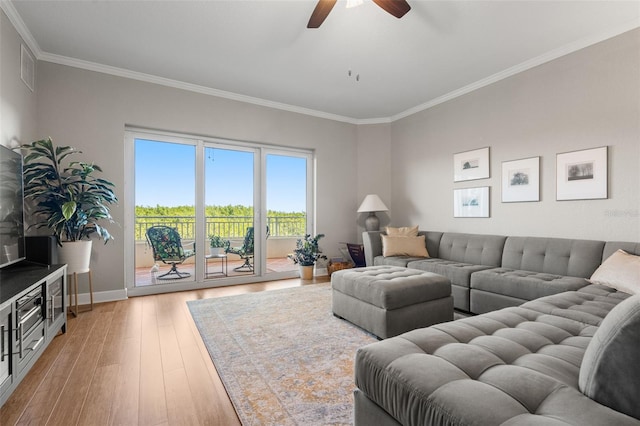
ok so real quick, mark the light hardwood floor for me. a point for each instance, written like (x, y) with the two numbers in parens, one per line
(139, 361)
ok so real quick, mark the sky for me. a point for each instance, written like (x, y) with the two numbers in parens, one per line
(165, 175)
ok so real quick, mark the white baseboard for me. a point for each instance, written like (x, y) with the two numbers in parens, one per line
(102, 296)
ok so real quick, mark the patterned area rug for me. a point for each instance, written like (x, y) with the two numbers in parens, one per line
(283, 357)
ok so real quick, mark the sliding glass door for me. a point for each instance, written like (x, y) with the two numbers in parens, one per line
(286, 201)
(212, 212)
(165, 219)
(229, 211)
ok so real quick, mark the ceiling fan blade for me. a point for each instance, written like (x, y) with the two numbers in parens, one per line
(320, 13)
(397, 8)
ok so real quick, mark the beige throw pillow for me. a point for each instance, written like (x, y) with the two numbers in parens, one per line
(404, 246)
(621, 271)
(405, 231)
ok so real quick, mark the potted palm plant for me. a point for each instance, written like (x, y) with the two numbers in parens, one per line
(306, 254)
(217, 245)
(67, 198)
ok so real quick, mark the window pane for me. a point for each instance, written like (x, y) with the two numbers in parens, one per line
(286, 208)
(164, 196)
(229, 212)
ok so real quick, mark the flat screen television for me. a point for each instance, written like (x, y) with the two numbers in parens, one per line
(12, 248)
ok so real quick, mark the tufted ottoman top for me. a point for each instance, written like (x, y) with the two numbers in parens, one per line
(514, 366)
(390, 287)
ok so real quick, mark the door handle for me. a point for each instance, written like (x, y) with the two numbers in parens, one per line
(51, 308)
(31, 313)
(20, 344)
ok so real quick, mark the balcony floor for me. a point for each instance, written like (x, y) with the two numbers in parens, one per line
(144, 276)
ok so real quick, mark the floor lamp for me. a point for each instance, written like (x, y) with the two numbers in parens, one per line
(372, 204)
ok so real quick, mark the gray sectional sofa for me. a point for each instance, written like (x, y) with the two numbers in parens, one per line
(489, 272)
(548, 348)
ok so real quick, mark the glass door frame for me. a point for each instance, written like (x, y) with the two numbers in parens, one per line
(259, 204)
(201, 206)
(309, 205)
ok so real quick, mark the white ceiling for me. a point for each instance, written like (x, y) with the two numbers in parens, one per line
(262, 52)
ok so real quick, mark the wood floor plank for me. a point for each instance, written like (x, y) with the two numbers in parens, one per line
(70, 404)
(139, 361)
(126, 396)
(180, 406)
(169, 349)
(53, 383)
(153, 407)
(97, 406)
(212, 405)
(126, 353)
(112, 352)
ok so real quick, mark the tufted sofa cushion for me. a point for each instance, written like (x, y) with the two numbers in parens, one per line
(518, 365)
(471, 248)
(526, 285)
(610, 372)
(390, 287)
(559, 256)
(458, 273)
(459, 256)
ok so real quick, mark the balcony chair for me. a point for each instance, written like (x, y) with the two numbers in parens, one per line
(167, 247)
(245, 251)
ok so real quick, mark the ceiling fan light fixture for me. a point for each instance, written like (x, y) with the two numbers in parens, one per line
(354, 3)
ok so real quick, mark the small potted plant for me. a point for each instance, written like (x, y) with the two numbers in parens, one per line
(217, 245)
(306, 254)
(68, 199)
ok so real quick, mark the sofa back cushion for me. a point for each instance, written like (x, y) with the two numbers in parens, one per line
(432, 241)
(611, 247)
(471, 248)
(560, 256)
(610, 371)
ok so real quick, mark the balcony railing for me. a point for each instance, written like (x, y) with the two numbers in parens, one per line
(224, 226)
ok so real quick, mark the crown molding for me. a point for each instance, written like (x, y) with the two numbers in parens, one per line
(524, 66)
(24, 32)
(134, 75)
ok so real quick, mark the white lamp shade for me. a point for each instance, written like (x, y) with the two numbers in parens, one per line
(372, 203)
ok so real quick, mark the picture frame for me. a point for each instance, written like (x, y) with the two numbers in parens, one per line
(521, 180)
(471, 202)
(582, 175)
(471, 165)
(27, 67)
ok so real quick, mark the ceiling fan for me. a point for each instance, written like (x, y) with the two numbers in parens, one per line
(397, 8)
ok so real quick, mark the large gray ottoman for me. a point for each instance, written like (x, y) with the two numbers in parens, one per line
(390, 300)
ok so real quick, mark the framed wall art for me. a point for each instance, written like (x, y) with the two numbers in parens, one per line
(471, 202)
(521, 180)
(471, 165)
(582, 175)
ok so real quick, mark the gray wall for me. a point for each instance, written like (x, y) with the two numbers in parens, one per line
(587, 99)
(90, 110)
(374, 169)
(18, 103)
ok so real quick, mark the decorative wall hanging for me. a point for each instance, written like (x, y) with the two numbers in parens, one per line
(521, 180)
(471, 165)
(582, 175)
(471, 202)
